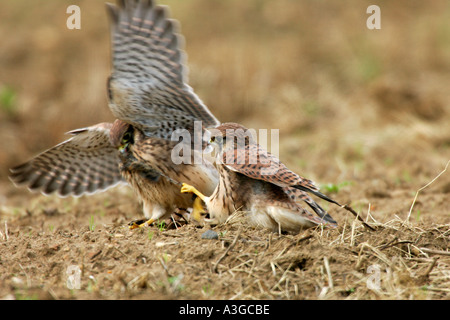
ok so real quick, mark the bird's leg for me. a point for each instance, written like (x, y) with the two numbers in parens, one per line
(152, 213)
(197, 208)
(186, 188)
(140, 224)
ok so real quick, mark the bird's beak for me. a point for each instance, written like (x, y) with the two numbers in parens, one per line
(208, 149)
(123, 148)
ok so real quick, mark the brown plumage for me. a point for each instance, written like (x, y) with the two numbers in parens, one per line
(256, 182)
(149, 94)
(84, 164)
(146, 164)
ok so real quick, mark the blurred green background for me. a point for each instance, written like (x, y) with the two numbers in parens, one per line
(352, 104)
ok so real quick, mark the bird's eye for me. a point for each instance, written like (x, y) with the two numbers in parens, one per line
(212, 139)
(126, 137)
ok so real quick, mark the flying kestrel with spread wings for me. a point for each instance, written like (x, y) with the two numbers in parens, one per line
(254, 181)
(149, 95)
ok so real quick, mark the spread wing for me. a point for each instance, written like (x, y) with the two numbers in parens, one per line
(147, 87)
(83, 164)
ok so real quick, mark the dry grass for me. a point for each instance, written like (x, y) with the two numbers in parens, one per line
(398, 261)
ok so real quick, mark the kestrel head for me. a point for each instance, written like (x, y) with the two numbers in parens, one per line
(230, 136)
(121, 135)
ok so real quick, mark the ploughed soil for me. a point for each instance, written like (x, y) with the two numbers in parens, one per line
(364, 113)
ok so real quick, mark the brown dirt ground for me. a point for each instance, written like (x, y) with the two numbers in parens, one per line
(364, 113)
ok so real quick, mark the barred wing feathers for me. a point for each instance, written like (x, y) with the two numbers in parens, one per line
(147, 87)
(83, 164)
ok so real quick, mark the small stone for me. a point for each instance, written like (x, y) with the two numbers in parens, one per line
(160, 244)
(210, 234)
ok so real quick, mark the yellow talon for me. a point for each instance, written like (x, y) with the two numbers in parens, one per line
(197, 209)
(186, 188)
(139, 224)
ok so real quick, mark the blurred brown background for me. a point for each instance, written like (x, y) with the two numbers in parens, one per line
(367, 107)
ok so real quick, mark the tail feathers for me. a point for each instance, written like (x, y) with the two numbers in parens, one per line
(324, 197)
(320, 211)
(317, 193)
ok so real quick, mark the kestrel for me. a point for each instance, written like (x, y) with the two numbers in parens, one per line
(149, 95)
(254, 181)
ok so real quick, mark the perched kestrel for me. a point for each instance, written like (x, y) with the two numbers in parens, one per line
(149, 94)
(254, 181)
